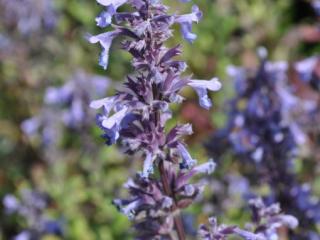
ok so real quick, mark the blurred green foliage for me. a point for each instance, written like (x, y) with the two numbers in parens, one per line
(82, 183)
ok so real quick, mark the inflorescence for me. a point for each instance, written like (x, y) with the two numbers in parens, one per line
(263, 133)
(138, 113)
(67, 106)
(31, 207)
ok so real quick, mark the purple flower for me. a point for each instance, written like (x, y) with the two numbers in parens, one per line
(264, 132)
(107, 104)
(115, 3)
(65, 106)
(221, 232)
(266, 222)
(58, 95)
(33, 17)
(105, 17)
(187, 162)
(74, 97)
(307, 71)
(32, 206)
(111, 125)
(148, 166)
(11, 203)
(206, 168)
(316, 6)
(186, 21)
(25, 235)
(114, 120)
(31, 126)
(268, 219)
(138, 113)
(145, 192)
(105, 39)
(201, 87)
(45, 125)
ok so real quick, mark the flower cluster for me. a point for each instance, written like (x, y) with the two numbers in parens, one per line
(31, 207)
(138, 113)
(65, 108)
(266, 221)
(262, 131)
(66, 105)
(74, 97)
(28, 16)
(46, 124)
(316, 6)
(309, 71)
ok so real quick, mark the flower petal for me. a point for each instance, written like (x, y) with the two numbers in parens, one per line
(194, 16)
(105, 39)
(207, 167)
(115, 119)
(115, 3)
(107, 104)
(188, 162)
(104, 19)
(212, 85)
(186, 29)
(201, 86)
(147, 166)
(186, 21)
(204, 100)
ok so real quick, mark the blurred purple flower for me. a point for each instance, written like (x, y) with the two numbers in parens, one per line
(28, 16)
(186, 21)
(307, 71)
(65, 106)
(316, 6)
(32, 206)
(263, 132)
(74, 97)
(265, 225)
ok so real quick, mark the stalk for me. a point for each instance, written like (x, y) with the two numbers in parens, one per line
(138, 113)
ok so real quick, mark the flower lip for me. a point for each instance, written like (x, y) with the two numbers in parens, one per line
(115, 3)
(207, 167)
(201, 86)
(186, 21)
(105, 18)
(147, 166)
(107, 104)
(105, 40)
(212, 85)
(115, 119)
(194, 16)
(187, 161)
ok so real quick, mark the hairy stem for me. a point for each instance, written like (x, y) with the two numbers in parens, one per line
(167, 188)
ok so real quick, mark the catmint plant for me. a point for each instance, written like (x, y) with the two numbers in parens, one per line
(262, 133)
(309, 71)
(266, 221)
(31, 207)
(28, 16)
(66, 107)
(74, 97)
(316, 6)
(138, 113)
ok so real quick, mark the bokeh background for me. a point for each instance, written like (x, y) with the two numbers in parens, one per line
(44, 56)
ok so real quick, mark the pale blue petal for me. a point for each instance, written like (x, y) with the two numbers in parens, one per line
(188, 161)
